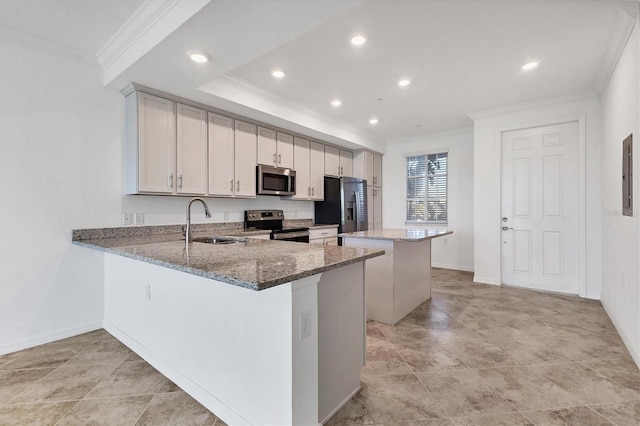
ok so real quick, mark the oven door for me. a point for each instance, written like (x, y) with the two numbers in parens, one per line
(298, 236)
(275, 181)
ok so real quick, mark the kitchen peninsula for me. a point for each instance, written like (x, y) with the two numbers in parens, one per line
(399, 281)
(258, 331)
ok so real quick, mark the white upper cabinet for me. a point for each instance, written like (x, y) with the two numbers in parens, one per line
(367, 165)
(275, 148)
(221, 155)
(285, 150)
(153, 163)
(316, 171)
(245, 160)
(191, 150)
(302, 163)
(337, 162)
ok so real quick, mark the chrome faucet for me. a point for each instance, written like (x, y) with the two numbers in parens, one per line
(187, 236)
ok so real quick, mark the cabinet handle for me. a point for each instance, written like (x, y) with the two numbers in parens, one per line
(231, 185)
(313, 191)
(274, 158)
(238, 185)
(375, 180)
(279, 158)
(180, 181)
(341, 170)
(309, 191)
(171, 181)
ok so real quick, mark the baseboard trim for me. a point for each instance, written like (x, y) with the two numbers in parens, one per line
(623, 336)
(453, 267)
(21, 344)
(212, 403)
(347, 399)
(485, 280)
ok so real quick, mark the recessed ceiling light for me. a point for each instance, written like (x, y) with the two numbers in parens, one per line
(529, 66)
(358, 40)
(336, 102)
(277, 74)
(404, 82)
(373, 121)
(198, 57)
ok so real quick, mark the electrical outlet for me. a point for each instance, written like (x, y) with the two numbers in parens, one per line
(147, 294)
(138, 218)
(126, 218)
(445, 241)
(305, 325)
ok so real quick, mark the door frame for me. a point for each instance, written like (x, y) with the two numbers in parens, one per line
(582, 199)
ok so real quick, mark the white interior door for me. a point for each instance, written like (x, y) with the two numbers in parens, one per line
(540, 211)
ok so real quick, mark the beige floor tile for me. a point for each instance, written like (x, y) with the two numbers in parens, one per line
(122, 411)
(133, 378)
(101, 352)
(176, 408)
(464, 393)
(585, 384)
(425, 358)
(13, 382)
(42, 414)
(622, 413)
(65, 383)
(51, 355)
(397, 398)
(506, 419)
(576, 416)
(621, 370)
(527, 390)
(430, 422)
(382, 358)
(354, 412)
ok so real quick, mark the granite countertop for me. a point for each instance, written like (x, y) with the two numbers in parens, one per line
(412, 235)
(255, 264)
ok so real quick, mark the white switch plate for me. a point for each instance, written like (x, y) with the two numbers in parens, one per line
(138, 218)
(126, 218)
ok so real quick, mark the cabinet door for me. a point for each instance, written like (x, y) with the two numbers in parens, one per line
(368, 167)
(245, 159)
(221, 156)
(301, 159)
(377, 208)
(331, 161)
(317, 171)
(346, 163)
(370, 209)
(285, 150)
(191, 150)
(267, 152)
(157, 144)
(377, 170)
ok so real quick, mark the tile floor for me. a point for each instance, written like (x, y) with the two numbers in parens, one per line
(472, 355)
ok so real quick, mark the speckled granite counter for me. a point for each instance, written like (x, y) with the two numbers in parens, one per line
(415, 234)
(254, 264)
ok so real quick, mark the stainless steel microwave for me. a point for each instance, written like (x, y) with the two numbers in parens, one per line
(275, 181)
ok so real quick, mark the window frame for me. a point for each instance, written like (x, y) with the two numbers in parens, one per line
(406, 187)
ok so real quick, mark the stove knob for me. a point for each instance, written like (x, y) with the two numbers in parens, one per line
(279, 213)
(252, 215)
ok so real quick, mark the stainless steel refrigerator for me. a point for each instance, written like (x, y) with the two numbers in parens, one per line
(345, 203)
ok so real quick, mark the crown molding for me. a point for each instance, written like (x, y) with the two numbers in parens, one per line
(431, 136)
(17, 35)
(585, 96)
(617, 43)
(150, 23)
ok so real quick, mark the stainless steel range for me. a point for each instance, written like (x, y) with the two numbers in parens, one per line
(273, 220)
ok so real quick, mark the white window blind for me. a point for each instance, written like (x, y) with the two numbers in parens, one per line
(427, 188)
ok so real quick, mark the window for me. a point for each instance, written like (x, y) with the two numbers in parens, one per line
(427, 188)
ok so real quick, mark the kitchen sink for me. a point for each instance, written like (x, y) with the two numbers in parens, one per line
(218, 240)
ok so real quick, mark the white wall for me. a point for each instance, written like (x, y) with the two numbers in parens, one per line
(487, 183)
(61, 168)
(455, 251)
(621, 234)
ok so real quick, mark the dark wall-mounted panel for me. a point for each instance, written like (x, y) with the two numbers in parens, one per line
(627, 176)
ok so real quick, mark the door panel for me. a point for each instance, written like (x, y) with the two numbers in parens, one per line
(540, 238)
(220, 155)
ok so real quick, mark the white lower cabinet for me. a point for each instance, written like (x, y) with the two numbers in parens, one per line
(325, 236)
(374, 207)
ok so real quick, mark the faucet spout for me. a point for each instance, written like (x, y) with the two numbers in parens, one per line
(188, 237)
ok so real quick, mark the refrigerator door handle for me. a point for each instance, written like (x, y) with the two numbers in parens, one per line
(356, 207)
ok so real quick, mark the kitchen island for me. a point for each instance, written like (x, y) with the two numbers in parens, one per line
(399, 281)
(258, 331)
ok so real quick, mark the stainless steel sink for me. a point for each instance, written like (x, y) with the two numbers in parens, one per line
(219, 240)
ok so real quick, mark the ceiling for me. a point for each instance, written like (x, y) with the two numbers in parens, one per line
(462, 56)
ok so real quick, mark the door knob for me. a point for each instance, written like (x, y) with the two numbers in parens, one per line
(504, 219)
(506, 228)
